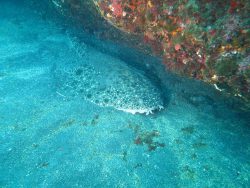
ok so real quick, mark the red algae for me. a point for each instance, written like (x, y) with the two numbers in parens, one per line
(191, 36)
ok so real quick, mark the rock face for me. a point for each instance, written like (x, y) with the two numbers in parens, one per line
(205, 40)
(109, 82)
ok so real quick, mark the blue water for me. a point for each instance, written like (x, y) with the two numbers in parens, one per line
(52, 134)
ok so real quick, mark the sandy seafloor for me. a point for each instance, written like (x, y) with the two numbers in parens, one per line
(49, 140)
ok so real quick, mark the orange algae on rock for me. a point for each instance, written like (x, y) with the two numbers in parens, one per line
(198, 39)
(193, 37)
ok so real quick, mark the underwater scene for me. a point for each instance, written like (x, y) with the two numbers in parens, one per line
(125, 93)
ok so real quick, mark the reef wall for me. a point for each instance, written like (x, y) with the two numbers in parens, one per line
(207, 40)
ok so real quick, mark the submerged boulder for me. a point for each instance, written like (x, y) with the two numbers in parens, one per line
(205, 40)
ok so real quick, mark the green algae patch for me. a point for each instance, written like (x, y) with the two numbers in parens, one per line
(226, 67)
